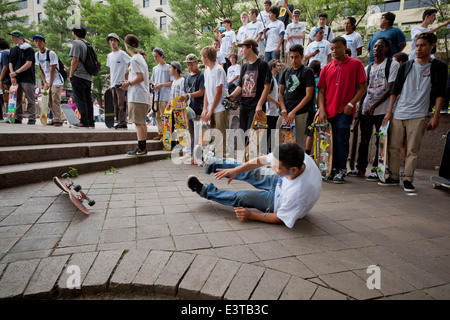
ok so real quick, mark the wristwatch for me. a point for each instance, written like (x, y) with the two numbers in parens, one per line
(129, 83)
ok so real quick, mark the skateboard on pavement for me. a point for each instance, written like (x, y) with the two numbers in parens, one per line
(70, 115)
(167, 131)
(257, 135)
(76, 195)
(44, 107)
(12, 103)
(443, 177)
(287, 132)
(181, 122)
(354, 130)
(382, 151)
(109, 109)
(323, 148)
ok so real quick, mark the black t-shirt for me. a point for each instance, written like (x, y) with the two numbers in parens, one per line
(18, 57)
(252, 80)
(284, 15)
(193, 83)
(296, 82)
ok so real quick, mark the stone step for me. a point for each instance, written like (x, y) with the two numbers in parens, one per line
(49, 152)
(20, 174)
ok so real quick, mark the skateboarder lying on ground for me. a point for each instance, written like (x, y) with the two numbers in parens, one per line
(288, 190)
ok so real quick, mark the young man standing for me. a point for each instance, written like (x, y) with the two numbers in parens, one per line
(255, 30)
(342, 83)
(51, 78)
(5, 80)
(241, 32)
(216, 92)
(81, 80)
(274, 34)
(254, 85)
(297, 86)
(263, 16)
(287, 191)
(295, 34)
(273, 105)
(354, 39)
(22, 73)
(393, 34)
(328, 33)
(381, 76)
(118, 61)
(421, 84)
(228, 43)
(319, 49)
(162, 81)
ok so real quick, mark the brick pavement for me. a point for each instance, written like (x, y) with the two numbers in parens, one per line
(149, 234)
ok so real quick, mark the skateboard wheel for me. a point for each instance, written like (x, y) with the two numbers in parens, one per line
(91, 202)
(379, 170)
(375, 133)
(77, 187)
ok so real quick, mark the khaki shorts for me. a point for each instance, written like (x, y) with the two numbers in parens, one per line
(137, 112)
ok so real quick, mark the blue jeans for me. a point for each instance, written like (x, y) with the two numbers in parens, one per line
(271, 55)
(341, 135)
(264, 179)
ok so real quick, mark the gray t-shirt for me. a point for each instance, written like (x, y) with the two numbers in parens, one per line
(160, 74)
(79, 50)
(415, 97)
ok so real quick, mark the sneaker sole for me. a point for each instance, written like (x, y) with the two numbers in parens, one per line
(409, 190)
(187, 181)
(388, 184)
(372, 180)
(339, 182)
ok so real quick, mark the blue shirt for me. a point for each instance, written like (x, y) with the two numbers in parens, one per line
(395, 36)
(4, 62)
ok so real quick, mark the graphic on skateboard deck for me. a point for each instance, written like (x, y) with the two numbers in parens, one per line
(443, 178)
(76, 195)
(109, 109)
(44, 107)
(287, 132)
(233, 124)
(323, 148)
(257, 136)
(70, 115)
(12, 103)
(203, 146)
(167, 131)
(382, 151)
(354, 130)
(181, 122)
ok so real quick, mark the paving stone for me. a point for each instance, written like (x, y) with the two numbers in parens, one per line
(98, 276)
(298, 289)
(172, 274)
(196, 276)
(127, 270)
(290, 265)
(322, 263)
(219, 280)
(45, 277)
(150, 270)
(350, 284)
(271, 285)
(191, 242)
(269, 250)
(244, 282)
(16, 277)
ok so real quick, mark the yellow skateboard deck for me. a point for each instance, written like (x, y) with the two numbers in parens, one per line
(181, 122)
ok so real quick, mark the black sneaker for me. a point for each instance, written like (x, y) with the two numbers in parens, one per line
(408, 186)
(17, 121)
(80, 126)
(389, 182)
(137, 153)
(121, 127)
(31, 122)
(55, 124)
(339, 177)
(194, 184)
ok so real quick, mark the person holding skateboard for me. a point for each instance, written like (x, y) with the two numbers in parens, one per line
(342, 83)
(287, 191)
(421, 84)
(138, 94)
(118, 61)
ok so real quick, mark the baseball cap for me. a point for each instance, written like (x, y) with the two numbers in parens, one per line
(16, 33)
(249, 42)
(112, 35)
(191, 58)
(159, 51)
(317, 29)
(176, 65)
(38, 37)
(222, 29)
(296, 11)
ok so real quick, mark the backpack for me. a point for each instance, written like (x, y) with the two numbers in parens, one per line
(328, 35)
(91, 63)
(60, 68)
(387, 69)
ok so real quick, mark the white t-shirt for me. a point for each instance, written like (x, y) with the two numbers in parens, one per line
(276, 29)
(264, 16)
(229, 37)
(378, 86)
(327, 30)
(294, 29)
(232, 72)
(414, 32)
(272, 109)
(241, 33)
(354, 42)
(252, 31)
(295, 198)
(177, 88)
(138, 93)
(213, 79)
(118, 63)
(96, 110)
(45, 65)
(38, 92)
(220, 58)
(160, 74)
(324, 48)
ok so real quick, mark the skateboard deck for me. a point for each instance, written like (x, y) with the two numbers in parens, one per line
(76, 195)
(202, 146)
(181, 122)
(287, 132)
(257, 136)
(167, 131)
(444, 169)
(233, 124)
(70, 115)
(354, 131)
(12, 103)
(109, 109)
(323, 148)
(440, 182)
(44, 107)
(382, 151)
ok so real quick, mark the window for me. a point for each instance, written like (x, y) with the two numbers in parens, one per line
(162, 2)
(145, 3)
(39, 17)
(411, 4)
(22, 4)
(163, 23)
(38, 1)
(389, 6)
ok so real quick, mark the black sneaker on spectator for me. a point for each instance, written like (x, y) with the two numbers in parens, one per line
(356, 173)
(408, 186)
(339, 177)
(137, 153)
(373, 177)
(389, 182)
